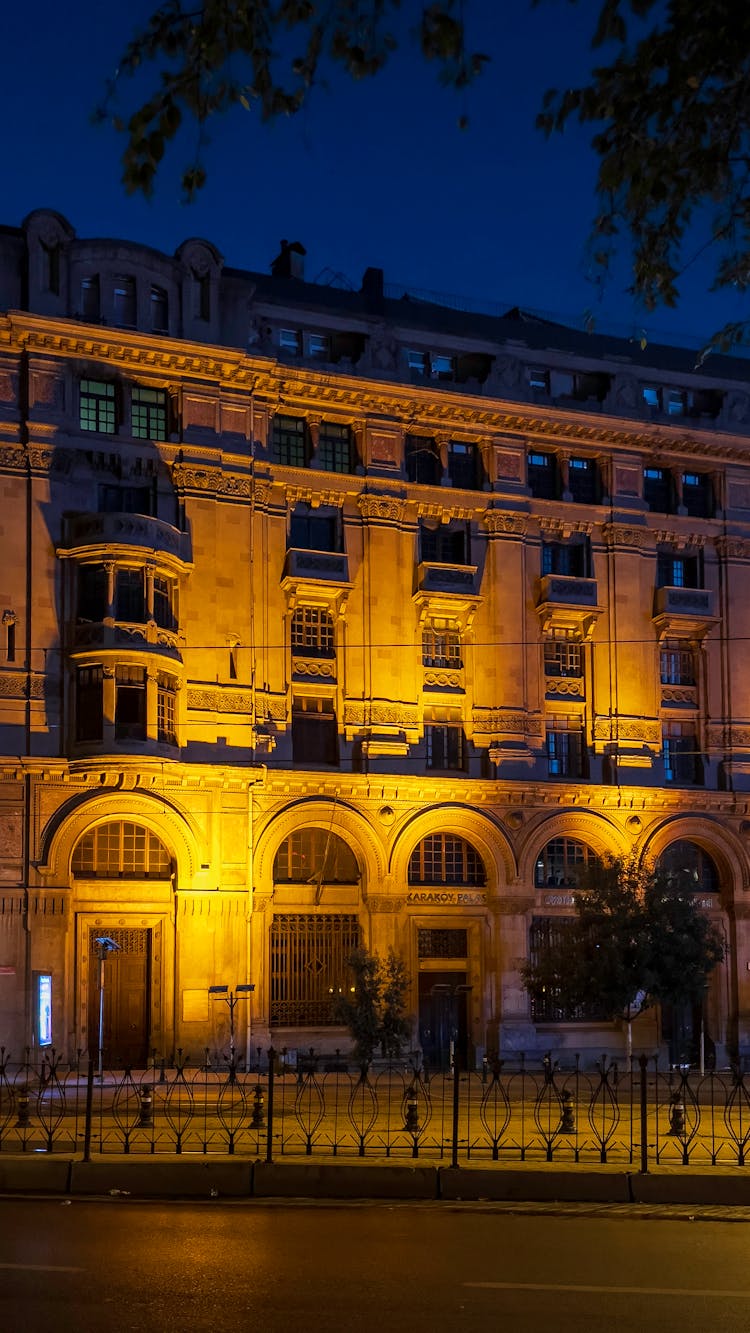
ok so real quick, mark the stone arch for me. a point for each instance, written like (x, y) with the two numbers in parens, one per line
(596, 832)
(721, 844)
(316, 812)
(489, 840)
(171, 826)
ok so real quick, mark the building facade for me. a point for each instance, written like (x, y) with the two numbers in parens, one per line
(339, 617)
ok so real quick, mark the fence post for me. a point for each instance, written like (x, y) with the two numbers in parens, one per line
(89, 1110)
(643, 1062)
(269, 1127)
(454, 1141)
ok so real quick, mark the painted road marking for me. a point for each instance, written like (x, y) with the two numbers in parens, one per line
(615, 1291)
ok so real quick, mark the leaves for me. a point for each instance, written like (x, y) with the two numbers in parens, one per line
(374, 1011)
(205, 60)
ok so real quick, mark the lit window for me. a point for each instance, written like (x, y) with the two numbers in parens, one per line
(290, 441)
(417, 362)
(98, 406)
(149, 413)
(441, 648)
(444, 858)
(652, 397)
(166, 709)
(318, 345)
(312, 632)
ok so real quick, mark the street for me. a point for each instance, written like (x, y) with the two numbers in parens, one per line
(89, 1266)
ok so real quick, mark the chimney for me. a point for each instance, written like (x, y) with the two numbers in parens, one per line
(372, 288)
(290, 261)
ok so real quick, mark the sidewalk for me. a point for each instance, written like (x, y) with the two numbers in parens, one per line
(204, 1177)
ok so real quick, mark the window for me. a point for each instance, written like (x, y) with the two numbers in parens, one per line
(312, 632)
(309, 967)
(318, 345)
(51, 272)
(445, 747)
(571, 558)
(290, 441)
(444, 858)
(422, 460)
(311, 854)
(90, 301)
(442, 943)
(159, 303)
(148, 409)
(562, 863)
(583, 481)
(564, 747)
(442, 367)
(563, 653)
(675, 402)
(124, 304)
(679, 571)
(697, 494)
(335, 452)
(126, 500)
(441, 648)
(98, 406)
(164, 590)
(538, 379)
(658, 490)
(314, 732)
(683, 762)
(688, 859)
(9, 621)
(130, 703)
(201, 296)
(652, 397)
(130, 599)
(445, 544)
(166, 708)
(121, 850)
(546, 942)
(290, 341)
(417, 362)
(89, 703)
(542, 476)
(92, 594)
(677, 663)
(314, 532)
(464, 465)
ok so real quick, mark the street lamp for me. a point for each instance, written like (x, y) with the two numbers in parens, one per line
(104, 947)
(231, 999)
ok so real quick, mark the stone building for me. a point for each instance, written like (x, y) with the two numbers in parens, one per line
(335, 616)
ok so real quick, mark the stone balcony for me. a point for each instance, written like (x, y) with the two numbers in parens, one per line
(684, 611)
(440, 578)
(118, 636)
(567, 602)
(105, 535)
(318, 566)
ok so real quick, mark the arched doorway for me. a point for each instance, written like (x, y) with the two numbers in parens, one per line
(688, 1028)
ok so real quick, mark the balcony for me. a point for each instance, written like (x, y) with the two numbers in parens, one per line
(319, 566)
(568, 602)
(105, 534)
(444, 578)
(114, 636)
(689, 612)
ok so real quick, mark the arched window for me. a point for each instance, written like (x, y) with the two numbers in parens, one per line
(561, 863)
(691, 859)
(444, 858)
(121, 850)
(313, 855)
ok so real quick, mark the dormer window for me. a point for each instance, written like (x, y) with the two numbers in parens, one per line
(290, 341)
(318, 345)
(124, 303)
(90, 298)
(159, 310)
(442, 367)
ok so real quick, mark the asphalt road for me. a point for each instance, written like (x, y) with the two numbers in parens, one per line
(81, 1267)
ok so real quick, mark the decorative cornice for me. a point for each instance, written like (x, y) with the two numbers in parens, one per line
(405, 716)
(386, 508)
(733, 548)
(220, 701)
(630, 729)
(499, 723)
(619, 534)
(508, 524)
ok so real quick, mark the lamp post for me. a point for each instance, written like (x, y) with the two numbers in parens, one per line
(104, 947)
(231, 998)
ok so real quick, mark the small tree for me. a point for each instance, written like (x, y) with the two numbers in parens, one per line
(374, 1010)
(638, 937)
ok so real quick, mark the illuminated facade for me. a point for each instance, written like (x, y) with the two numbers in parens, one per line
(334, 617)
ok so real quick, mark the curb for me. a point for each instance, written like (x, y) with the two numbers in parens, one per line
(342, 1181)
(535, 1186)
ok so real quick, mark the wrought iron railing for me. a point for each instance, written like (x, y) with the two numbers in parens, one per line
(522, 1112)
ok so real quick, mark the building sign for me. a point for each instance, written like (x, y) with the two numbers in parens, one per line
(445, 898)
(559, 900)
(43, 1009)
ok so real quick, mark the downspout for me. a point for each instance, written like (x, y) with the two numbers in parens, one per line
(23, 380)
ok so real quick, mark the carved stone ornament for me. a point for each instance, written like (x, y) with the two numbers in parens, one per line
(733, 548)
(443, 680)
(220, 701)
(618, 534)
(378, 902)
(314, 667)
(511, 724)
(387, 508)
(627, 729)
(558, 685)
(513, 525)
(381, 714)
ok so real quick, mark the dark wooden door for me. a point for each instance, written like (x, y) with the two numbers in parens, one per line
(443, 1019)
(127, 986)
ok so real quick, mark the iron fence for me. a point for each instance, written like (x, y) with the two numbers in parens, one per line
(528, 1111)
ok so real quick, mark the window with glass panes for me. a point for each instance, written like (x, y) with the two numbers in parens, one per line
(464, 465)
(441, 647)
(166, 708)
(677, 662)
(583, 480)
(312, 531)
(335, 447)
(445, 858)
(126, 500)
(90, 300)
(563, 653)
(312, 631)
(121, 849)
(289, 441)
(164, 593)
(658, 489)
(422, 460)
(564, 747)
(679, 571)
(130, 703)
(130, 600)
(159, 310)
(561, 863)
(542, 475)
(310, 854)
(98, 406)
(89, 702)
(148, 413)
(445, 746)
(697, 494)
(690, 861)
(547, 937)
(444, 545)
(571, 558)
(124, 302)
(683, 762)
(92, 593)
(314, 732)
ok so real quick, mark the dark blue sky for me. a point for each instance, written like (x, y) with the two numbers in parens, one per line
(372, 174)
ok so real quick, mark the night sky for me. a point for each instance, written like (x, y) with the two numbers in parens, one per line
(370, 174)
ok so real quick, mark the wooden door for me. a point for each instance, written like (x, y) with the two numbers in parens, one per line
(127, 986)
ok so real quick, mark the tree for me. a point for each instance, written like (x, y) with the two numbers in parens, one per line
(638, 937)
(375, 1009)
(267, 54)
(672, 111)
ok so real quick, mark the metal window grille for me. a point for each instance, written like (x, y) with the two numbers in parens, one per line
(442, 943)
(311, 855)
(547, 939)
(120, 849)
(98, 407)
(561, 863)
(444, 858)
(289, 441)
(335, 447)
(441, 648)
(309, 966)
(166, 709)
(149, 413)
(312, 631)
